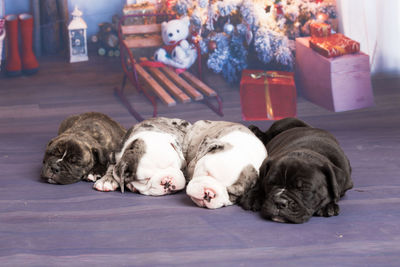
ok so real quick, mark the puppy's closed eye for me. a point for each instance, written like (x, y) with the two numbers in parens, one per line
(73, 159)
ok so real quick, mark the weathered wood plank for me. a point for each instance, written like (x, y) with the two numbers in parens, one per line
(169, 85)
(204, 88)
(142, 42)
(190, 90)
(141, 29)
(154, 86)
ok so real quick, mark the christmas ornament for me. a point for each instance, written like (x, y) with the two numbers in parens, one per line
(279, 9)
(212, 45)
(228, 28)
(322, 17)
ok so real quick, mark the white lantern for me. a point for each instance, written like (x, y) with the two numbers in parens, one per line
(77, 37)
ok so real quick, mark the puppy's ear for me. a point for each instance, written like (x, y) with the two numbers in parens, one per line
(175, 146)
(99, 156)
(257, 132)
(335, 178)
(283, 125)
(264, 168)
(49, 143)
(253, 198)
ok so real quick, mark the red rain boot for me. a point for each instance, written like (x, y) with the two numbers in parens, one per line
(29, 62)
(13, 61)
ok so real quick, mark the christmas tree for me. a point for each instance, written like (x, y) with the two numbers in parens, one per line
(231, 30)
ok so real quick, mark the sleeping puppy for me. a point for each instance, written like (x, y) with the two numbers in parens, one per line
(305, 174)
(223, 161)
(150, 160)
(82, 148)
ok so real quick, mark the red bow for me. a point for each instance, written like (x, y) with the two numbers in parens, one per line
(171, 47)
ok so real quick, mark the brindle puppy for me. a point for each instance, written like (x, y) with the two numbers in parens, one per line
(82, 149)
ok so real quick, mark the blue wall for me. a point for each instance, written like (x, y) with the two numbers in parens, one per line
(94, 11)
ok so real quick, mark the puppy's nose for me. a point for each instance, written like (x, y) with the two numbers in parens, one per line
(55, 169)
(281, 203)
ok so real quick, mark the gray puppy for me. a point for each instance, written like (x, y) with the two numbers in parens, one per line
(305, 174)
(150, 159)
(82, 149)
(223, 161)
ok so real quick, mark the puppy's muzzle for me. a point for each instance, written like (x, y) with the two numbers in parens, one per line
(281, 202)
(55, 168)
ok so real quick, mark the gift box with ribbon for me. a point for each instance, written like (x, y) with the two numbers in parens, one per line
(139, 9)
(267, 95)
(334, 45)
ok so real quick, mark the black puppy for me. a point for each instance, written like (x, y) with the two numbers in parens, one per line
(305, 174)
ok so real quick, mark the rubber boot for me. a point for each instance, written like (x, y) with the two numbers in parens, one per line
(29, 63)
(13, 60)
(2, 37)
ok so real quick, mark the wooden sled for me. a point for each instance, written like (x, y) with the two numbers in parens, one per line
(162, 83)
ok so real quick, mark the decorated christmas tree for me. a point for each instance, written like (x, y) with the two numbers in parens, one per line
(229, 31)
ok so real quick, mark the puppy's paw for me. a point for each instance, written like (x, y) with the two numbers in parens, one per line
(250, 203)
(106, 183)
(166, 181)
(208, 193)
(331, 209)
(131, 187)
(92, 177)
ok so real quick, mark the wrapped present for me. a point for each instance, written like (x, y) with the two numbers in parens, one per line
(139, 9)
(334, 45)
(267, 95)
(320, 29)
(338, 84)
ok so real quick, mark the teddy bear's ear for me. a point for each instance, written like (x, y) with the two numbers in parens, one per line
(163, 25)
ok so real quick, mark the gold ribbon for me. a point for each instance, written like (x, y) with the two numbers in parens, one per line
(266, 75)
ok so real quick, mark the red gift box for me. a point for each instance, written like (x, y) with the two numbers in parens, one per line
(320, 29)
(334, 45)
(267, 95)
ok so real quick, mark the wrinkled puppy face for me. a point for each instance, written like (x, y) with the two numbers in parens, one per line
(152, 169)
(66, 161)
(293, 189)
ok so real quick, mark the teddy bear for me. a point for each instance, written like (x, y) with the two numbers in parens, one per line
(177, 52)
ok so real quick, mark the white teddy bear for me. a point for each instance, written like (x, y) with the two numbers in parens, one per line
(177, 52)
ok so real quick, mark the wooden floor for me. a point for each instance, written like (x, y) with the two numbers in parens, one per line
(48, 225)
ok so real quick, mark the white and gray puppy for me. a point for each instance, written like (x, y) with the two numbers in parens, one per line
(223, 162)
(150, 160)
(82, 148)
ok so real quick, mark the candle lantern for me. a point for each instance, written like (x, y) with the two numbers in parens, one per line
(77, 37)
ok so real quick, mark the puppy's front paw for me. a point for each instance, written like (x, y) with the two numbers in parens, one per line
(250, 203)
(331, 209)
(106, 183)
(208, 193)
(92, 177)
